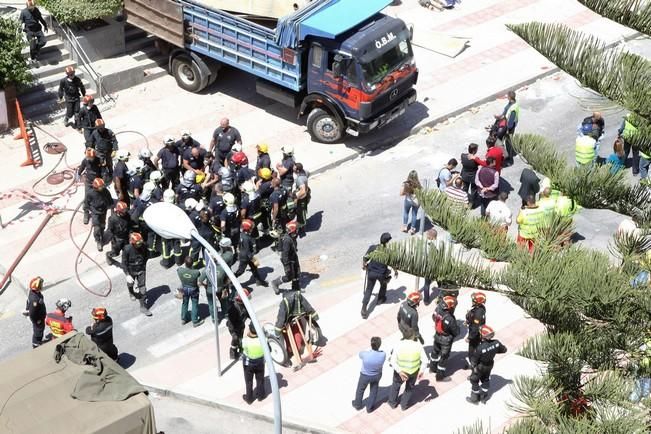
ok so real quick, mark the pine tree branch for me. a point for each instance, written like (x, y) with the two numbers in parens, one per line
(630, 13)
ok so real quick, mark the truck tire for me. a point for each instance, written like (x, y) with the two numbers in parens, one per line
(187, 74)
(324, 127)
(278, 350)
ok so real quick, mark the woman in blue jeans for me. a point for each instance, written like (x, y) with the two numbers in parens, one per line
(411, 205)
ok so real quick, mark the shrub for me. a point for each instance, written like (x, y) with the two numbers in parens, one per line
(13, 68)
(75, 11)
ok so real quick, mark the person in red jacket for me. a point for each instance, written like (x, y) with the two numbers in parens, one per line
(59, 323)
(493, 151)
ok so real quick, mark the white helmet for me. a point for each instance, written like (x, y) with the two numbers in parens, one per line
(155, 176)
(190, 204)
(186, 134)
(122, 154)
(189, 177)
(147, 190)
(200, 205)
(248, 187)
(169, 196)
(288, 150)
(236, 147)
(138, 165)
(225, 242)
(144, 153)
(229, 199)
(63, 304)
(169, 140)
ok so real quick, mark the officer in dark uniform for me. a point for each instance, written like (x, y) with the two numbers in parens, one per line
(247, 253)
(265, 189)
(475, 319)
(104, 142)
(264, 160)
(237, 315)
(134, 262)
(286, 167)
(72, 88)
(169, 157)
(253, 365)
(289, 259)
(101, 332)
(376, 271)
(186, 142)
(91, 168)
(99, 201)
(193, 159)
(223, 139)
(229, 219)
(302, 195)
(446, 329)
(88, 115)
(278, 203)
(250, 206)
(121, 176)
(118, 226)
(208, 232)
(481, 362)
(293, 304)
(35, 310)
(188, 188)
(408, 316)
(216, 204)
(32, 19)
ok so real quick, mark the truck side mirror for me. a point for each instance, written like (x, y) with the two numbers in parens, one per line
(411, 32)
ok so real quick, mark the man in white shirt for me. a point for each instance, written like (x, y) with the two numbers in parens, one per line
(499, 213)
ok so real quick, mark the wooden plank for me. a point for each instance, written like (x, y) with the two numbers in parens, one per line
(161, 18)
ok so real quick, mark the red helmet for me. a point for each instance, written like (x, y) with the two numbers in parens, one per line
(246, 292)
(90, 153)
(98, 183)
(239, 159)
(247, 225)
(478, 297)
(292, 227)
(121, 207)
(88, 98)
(98, 313)
(487, 332)
(414, 297)
(135, 238)
(450, 302)
(36, 284)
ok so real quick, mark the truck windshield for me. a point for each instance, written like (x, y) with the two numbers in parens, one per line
(399, 52)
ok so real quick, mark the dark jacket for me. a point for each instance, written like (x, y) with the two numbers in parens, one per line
(407, 318)
(35, 306)
(32, 20)
(101, 332)
(529, 184)
(88, 116)
(134, 260)
(293, 305)
(468, 168)
(119, 226)
(104, 142)
(373, 266)
(98, 201)
(71, 89)
(445, 324)
(486, 352)
(247, 247)
(475, 318)
(288, 253)
(92, 169)
(236, 315)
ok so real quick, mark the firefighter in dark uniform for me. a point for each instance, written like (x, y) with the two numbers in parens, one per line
(59, 323)
(265, 189)
(250, 206)
(286, 167)
(236, 315)
(145, 155)
(289, 259)
(186, 142)
(246, 253)
(121, 176)
(170, 248)
(91, 168)
(302, 195)
(188, 188)
(482, 364)
(134, 262)
(118, 226)
(32, 19)
(376, 271)
(208, 232)
(229, 219)
(104, 142)
(137, 212)
(446, 330)
(264, 160)
(88, 115)
(169, 157)
(99, 201)
(101, 332)
(223, 140)
(475, 319)
(408, 316)
(72, 89)
(35, 310)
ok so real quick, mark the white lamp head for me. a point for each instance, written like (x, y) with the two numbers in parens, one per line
(169, 221)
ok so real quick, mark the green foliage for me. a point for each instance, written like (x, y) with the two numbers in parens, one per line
(13, 68)
(630, 249)
(476, 428)
(555, 232)
(630, 13)
(75, 11)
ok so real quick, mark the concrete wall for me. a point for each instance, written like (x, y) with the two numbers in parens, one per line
(102, 42)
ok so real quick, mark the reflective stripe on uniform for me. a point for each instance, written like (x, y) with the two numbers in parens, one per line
(585, 152)
(531, 218)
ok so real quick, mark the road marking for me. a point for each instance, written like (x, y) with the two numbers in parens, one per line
(6, 315)
(137, 323)
(342, 280)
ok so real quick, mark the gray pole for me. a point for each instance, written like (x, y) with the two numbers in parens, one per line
(278, 426)
(422, 231)
(216, 302)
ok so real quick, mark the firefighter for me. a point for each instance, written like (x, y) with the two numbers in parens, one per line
(155, 177)
(250, 206)
(170, 248)
(253, 365)
(169, 157)
(264, 160)
(121, 176)
(71, 88)
(35, 310)
(59, 323)
(406, 360)
(302, 195)
(293, 305)
(105, 144)
(229, 219)
(188, 188)
(376, 271)
(475, 319)
(223, 284)
(91, 168)
(446, 329)
(118, 227)
(237, 315)
(247, 252)
(99, 201)
(101, 332)
(289, 259)
(408, 316)
(134, 262)
(481, 362)
(278, 204)
(136, 180)
(265, 189)
(145, 155)
(88, 114)
(208, 232)
(137, 212)
(285, 167)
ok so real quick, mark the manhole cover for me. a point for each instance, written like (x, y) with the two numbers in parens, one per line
(55, 179)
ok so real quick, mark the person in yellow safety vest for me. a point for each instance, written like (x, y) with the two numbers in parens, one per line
(511, 114)
(626, 132)
(585, 150)
(528, 220)
(645, 162)
(406, 359)
(253, 364)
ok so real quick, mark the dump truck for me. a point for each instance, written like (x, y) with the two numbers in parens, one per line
(347, 67)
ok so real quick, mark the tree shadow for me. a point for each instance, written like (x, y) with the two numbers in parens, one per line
(154, 294)
(126, 360)
(314, 222)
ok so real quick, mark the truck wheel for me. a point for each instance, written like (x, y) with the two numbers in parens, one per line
(187, 74)
(278, 351)
(324, 127)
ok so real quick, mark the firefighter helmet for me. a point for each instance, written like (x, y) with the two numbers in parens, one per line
(239, 159)
(63, 304)
(478, 297)
(225, 242)
(169, 196)
(291, 227)
(121, 207)
(247, 293)
(138, 166)
(413, 298)
(98, 183)
(200, 177)
(90, 153)
(487, 332)
(229, 199)
(247, 225)
(135, 239)
(190, 204)
(248, 187)
(89, 99)
(265, 174)
(155, 176)
(449, 302)
(263, 148)
(144, 153)
(169, 140)
(122, 154)
(288, 150)
(98, 313)
(36, 284)
(186, 134)
(189, 178)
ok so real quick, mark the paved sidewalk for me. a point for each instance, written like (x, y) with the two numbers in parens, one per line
(320, 393)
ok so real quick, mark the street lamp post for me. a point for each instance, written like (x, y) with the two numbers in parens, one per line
(170, 222)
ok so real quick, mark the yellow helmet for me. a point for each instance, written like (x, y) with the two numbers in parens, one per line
(265, 173)
(263, 147)
(200, 177)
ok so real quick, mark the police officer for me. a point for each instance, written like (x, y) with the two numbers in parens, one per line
(264, 160)
(169, 157)
(302, 195)
(101, 332)
(246, 253)
(99, 201)
(121, 176)
(289, 259)
(72, 88)
(35, 310)
(91, 168)
(286, 167)
(253, 365)
(32, 19)
(88, 115)
(223, 284)
(406, 360)
(223, 139)
(475, 319)
(59, 323)
(376, 271)
(104, 142)
(408, 316)
(237, 315)
(134, 262)
(482, 362)
(446, 329)
(118, 227)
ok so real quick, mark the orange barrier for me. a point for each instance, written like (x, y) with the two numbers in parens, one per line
(25, 136)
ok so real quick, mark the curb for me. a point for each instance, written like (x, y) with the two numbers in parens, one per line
(287, 423)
